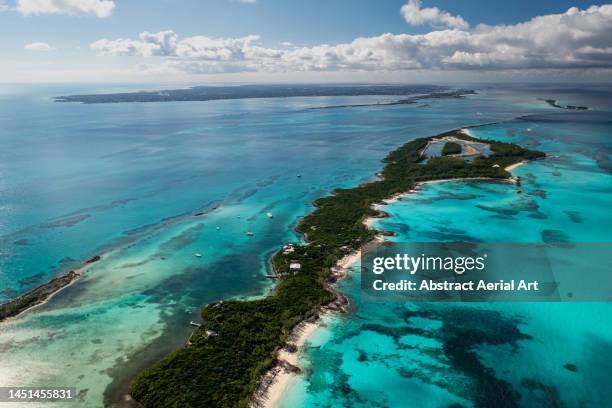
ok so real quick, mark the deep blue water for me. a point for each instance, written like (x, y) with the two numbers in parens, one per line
(125, 180)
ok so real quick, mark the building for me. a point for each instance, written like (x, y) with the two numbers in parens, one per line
(295, 266)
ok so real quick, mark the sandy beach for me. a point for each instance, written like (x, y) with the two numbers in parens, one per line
(281, 376)
(78, 273)
(468, 132)
(514, 166)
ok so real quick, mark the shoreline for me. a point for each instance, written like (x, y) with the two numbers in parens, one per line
(278, 378)
(42, 294)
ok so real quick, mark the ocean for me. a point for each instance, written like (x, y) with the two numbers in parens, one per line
(150, 185)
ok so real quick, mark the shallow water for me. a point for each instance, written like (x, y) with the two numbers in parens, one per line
(127, 179)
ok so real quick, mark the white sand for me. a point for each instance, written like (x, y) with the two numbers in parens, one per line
(283, 377)
(467, 132)
(515, 165)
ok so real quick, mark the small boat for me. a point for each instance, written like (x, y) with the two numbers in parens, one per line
(192, 323)
(198, 255)
(270, 215)
(299, 175)
(218, 228)
(250, 233)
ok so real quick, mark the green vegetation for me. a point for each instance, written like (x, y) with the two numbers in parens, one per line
(238, 340)
(451, 148)
(35, 296)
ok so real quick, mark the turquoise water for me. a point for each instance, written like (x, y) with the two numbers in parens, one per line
(483, 355)
(126, 181)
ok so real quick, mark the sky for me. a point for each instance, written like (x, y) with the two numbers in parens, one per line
(304, 41)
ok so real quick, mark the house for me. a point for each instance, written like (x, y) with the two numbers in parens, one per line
(295, 266)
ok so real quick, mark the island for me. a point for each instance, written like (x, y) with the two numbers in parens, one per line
(451, 148)
(227, 358)
(40, 294)
(555, 104)
(209, 93)
(36, 296)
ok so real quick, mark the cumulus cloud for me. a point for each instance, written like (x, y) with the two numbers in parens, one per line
(39, 46)
(166, 44)
(416, 15)
(575, 39)
(97, 8)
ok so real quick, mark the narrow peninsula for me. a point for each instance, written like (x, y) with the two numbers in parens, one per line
(239, 341)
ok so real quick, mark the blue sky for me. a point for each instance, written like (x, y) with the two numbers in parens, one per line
(232, 40)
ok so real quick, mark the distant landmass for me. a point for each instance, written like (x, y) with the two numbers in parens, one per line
(207, 93)
(554, 104)
(459, 93)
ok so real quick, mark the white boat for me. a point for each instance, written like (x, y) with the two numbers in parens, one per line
(270, 215)
(218, 228)
(198, 255)
(250, 233)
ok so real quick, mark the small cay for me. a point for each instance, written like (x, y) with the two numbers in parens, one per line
(42, 293)
(35, 296)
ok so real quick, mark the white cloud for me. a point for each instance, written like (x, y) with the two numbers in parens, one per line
(166, 44)
(39, 46)
(415, 15)
(97, 8)
(575, 39)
